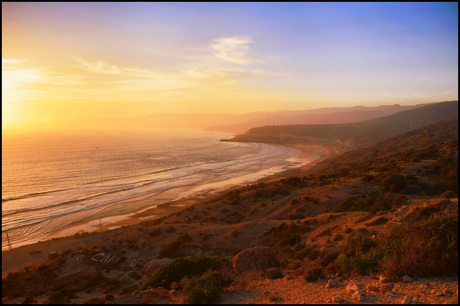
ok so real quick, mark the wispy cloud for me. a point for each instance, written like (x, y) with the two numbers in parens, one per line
(234, 49)
(12, 61)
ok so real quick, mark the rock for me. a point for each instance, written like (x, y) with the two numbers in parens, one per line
(386, 287)
(354, 287)
(258, 258)
(273, 273)
(337, 299)
(149, 267)
(383, 279)
(357, 296)
(407, 299)
(173, 293)
(332, 283)
(184, 281)
(372, 288)
(288, 277)
(52, 255)
(406, 279)
(175, 286)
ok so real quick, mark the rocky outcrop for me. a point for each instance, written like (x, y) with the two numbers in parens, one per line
(258, 258)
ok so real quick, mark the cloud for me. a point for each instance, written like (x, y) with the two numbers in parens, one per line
(12, 61)
(101, 67)
(234, 49)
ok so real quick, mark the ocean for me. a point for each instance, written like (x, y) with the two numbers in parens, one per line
(53, 181)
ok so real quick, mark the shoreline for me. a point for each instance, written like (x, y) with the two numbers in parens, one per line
(32, 254)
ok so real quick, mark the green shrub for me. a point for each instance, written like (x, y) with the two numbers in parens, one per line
(205, 290)
(365, 264)
(427, 247)
(185, 266)
(357, 244)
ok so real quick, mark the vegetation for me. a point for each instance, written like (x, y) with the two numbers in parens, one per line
(185, 266)
(205, 290)
(423, 247)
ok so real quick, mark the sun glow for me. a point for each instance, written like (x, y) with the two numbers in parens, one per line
(14, 91)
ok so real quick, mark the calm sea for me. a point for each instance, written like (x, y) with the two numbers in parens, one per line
(52, 181)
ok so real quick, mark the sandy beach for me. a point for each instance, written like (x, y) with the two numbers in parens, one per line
(33, 254)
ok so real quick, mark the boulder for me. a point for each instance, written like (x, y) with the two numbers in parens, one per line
(184, 281)
(258, 258)
(383, 279)
(372, 288)
(52, 255)
(175, 286)
(354, 287)
(406, 279)
(386, 287)
(358, 296)
(332, 283)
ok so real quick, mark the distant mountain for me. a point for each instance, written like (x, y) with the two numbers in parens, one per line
(239, 123)
(330, 115)
(353, 134)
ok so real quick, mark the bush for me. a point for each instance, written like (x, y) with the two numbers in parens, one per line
(185, 266)
(393, 183)
(171, 249)
(351, 204)
(358, 244)
(313, 272)
(205, 290)
(427, 247)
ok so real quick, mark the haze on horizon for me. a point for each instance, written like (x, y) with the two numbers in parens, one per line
(68, 61)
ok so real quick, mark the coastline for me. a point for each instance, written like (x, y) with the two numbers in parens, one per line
(35, 253)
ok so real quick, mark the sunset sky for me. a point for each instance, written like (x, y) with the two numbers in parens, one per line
(62, 61)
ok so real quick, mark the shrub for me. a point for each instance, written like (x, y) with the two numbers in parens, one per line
(393, 183)
(205, 290)
(185, 266)
(313, 272)
(171, 249)
(448, 194)
(170, 229)
(427, 247)
(357, 244)
(420, 213)
(352, 203)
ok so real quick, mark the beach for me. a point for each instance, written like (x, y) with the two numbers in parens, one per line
(36, 253)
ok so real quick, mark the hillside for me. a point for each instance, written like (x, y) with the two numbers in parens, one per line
(353, 134)
(373, 225)
(330, 115)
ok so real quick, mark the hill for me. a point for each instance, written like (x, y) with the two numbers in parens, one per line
(353, 134)
(366, 219)
(329, 115)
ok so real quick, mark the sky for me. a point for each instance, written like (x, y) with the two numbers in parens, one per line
(66, 60)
